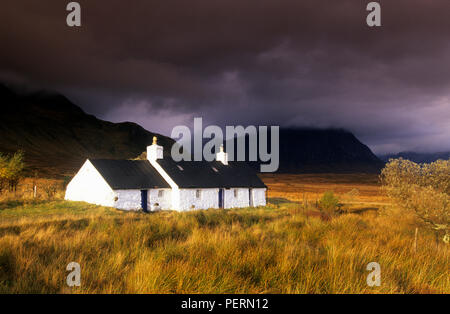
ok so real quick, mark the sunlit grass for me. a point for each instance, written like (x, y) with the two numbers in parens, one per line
(276, 249)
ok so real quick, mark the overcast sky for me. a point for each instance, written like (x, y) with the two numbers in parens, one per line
(263, 62)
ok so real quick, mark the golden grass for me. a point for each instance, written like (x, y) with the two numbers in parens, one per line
(298, 187)
(46, 189)
(280, 248)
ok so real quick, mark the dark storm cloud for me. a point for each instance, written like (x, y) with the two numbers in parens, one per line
(286, 62)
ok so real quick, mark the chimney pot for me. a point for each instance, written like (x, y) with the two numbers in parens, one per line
(222, 156)
(154, 151)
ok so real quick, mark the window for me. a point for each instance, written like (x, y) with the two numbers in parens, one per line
(198, 194)
(160, 193)
(235, 193)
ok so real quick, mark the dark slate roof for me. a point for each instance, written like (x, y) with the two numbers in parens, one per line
(129, 174)
(200, 174)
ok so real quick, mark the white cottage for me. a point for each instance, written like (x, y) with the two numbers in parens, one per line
(161, 183)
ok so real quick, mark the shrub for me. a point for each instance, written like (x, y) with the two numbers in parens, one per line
(50, 189)
(329, 203)
(422, 188)
(11, 169)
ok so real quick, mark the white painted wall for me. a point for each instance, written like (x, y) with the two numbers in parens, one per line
(241, 200)
(89, 186)
(131, 199)
(259, 197)
(165, 201)
(209, 198)
(128, 199)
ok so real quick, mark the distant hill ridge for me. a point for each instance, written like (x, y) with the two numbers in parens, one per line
(57, 136)
(418, 157)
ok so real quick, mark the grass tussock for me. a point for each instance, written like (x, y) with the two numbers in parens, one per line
(281, 248)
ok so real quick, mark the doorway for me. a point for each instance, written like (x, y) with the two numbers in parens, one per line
(221, 200)
(144, 199)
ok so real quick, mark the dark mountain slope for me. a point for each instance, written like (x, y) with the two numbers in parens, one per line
(324, 150)
(327, 150)
(57, 136)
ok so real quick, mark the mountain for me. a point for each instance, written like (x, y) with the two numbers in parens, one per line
(307, 150)
(57, 136)
(417, 157)
(328, 150)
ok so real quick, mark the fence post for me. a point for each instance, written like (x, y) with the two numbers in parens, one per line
(415, 240)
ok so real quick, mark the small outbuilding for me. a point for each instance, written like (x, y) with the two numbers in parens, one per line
(161, 183)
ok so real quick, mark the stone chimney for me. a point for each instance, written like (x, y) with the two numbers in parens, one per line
(222, 156)
(154, 151)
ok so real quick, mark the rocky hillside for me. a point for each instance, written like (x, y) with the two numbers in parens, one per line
(324, 150)
(57, 136)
